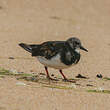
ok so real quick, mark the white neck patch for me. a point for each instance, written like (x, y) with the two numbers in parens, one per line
(77, 50)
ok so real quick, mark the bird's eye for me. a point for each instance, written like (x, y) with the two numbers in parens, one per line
(77, 43)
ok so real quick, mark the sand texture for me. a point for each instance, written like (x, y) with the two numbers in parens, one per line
(36, 21)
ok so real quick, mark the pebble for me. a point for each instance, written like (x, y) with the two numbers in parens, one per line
(99, 76)
(101, 89)
(11, 58)
(89, 85)
(80, 76)
(13, 71)
(20, 84)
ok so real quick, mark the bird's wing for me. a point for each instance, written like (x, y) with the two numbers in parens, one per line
(28, 47)
(48, 49)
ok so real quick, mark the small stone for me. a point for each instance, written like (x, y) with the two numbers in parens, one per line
(11, 58)
(101, 89)
(13, 71)
(99, 76)
(41, 73)
(89, 85)
(20, 84)
(80, 76)
(52, 74)
(20, 72)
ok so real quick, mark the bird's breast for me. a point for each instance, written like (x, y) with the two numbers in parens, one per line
(70, 58)
(54, 62)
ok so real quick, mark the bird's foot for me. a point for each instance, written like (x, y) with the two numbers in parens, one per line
(67, 80)
(48, 77)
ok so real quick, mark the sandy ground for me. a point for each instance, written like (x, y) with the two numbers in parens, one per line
(35, 21)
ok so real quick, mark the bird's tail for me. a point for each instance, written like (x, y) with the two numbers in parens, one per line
(26, 47)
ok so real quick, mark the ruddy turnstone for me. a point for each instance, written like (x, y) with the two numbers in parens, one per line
(56, 54)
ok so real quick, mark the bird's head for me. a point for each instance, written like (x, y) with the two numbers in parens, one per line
(75, 44)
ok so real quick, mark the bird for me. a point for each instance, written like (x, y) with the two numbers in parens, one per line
(56, 54)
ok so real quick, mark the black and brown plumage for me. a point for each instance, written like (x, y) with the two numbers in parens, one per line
(56, 54)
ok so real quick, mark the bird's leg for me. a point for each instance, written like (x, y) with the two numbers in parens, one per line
(62, 74)
(65, 79)
(46, 69)
(48, 76)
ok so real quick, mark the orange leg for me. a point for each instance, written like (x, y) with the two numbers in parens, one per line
(48, 76)
(65, 79)
(62, 74)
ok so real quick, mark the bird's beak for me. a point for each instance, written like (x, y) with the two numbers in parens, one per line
(81, 47)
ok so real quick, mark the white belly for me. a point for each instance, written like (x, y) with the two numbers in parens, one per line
(53, 63)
